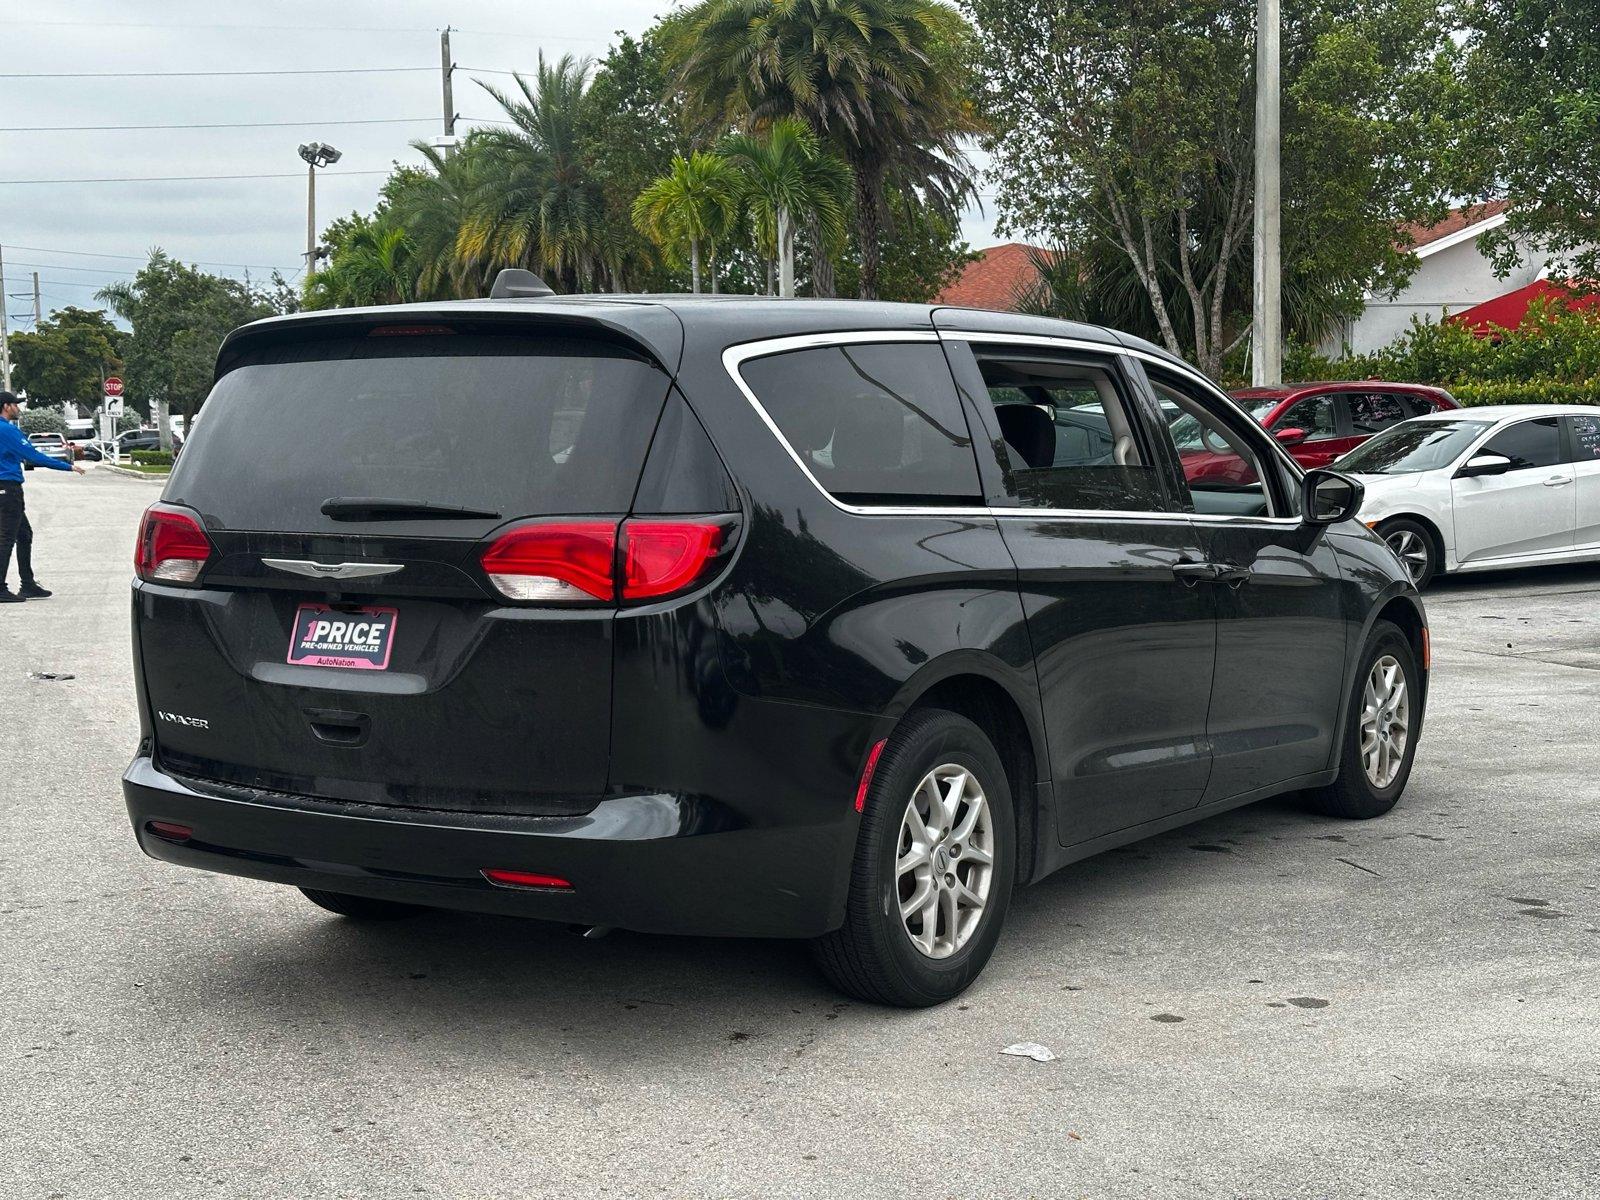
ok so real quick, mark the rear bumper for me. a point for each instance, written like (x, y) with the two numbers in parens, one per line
(652, 863)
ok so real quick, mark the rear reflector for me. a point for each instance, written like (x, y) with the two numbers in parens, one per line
(576, 562)
(170, 830)
(525, 879)
(1427, 650)
(866, 774)
(172, 546)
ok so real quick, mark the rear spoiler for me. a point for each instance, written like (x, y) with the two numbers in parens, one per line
(646, 328)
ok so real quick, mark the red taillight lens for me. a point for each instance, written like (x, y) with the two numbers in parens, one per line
(170, 831)
(867, 771)
(525, 879)
(577, 561)
(566, 562)
(172, 547)
(662, 557)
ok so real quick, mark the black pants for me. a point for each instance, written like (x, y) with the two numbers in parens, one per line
(15, 531)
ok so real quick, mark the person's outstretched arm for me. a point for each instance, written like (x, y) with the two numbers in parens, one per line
(27, 451)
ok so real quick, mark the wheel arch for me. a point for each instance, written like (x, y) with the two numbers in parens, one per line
(1400, 605)
(988, 693)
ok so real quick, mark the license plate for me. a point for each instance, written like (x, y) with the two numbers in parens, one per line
(353, 638)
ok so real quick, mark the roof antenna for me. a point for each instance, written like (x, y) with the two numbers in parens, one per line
(515, 283)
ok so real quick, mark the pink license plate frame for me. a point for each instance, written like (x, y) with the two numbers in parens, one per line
(343, 638)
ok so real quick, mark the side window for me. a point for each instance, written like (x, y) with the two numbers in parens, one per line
(1585, 437)
(1317, 415)
(1528, 444)
(1221, 469)
(1070, 437)
(1371, 412)
(874, 423)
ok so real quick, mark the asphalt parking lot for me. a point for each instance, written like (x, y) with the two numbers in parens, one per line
(1268, 1004)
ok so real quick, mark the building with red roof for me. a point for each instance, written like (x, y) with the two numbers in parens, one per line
(997, 278)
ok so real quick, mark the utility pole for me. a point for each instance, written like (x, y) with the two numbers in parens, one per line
(447, 70)
(315, 154)
(5, 336)
(38, 313)
(1266, 359)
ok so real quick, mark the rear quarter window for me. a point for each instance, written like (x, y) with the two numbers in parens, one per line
(519, 425)
(872, 422)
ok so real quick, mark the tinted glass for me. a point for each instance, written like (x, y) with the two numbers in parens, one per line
(1528, 444)
(1412, 447)
(1585, 436)
(1220, 469)
(1373, 412)
(1315, 414)
(875, 423)
(1068, 437)
(515, 425)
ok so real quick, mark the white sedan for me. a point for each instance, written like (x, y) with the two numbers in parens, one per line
(1511, 485)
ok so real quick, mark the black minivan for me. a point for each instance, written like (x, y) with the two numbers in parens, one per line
(720, 615)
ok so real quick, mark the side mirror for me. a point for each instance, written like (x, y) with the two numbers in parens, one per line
(1484, 464)
(1292, 436)
(1327, 497)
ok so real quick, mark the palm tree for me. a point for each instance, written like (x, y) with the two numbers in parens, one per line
(882, 80)
(537, 203)
(373, 266)
(433, 207)
(786, 175)
(694, 204)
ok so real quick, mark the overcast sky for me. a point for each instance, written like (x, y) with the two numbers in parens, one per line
(69, 232)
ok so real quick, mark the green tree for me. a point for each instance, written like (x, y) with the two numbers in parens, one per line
(45, 418)
(370, 262)
(690, 207)
(179, 316)
(539, 204)
(1135, 137)
(1535, 127)
(67, 357)
(884, 81)
(922, 252)
(784, 175)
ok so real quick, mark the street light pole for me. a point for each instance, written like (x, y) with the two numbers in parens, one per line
(1266, 359)
(315, 154)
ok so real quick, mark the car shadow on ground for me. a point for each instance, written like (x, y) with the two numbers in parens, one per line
(1556, 578)
(466, 977)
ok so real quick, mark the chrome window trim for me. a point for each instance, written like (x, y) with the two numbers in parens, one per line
(734, 357)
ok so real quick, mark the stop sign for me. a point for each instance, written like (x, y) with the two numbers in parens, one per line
(114, 386)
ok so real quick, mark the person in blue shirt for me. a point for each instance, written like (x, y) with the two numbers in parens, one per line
(16, 449)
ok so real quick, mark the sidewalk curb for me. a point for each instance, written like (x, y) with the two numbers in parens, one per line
(105, 466)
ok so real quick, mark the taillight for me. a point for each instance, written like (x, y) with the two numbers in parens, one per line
(172, 546)
(663, 557)
(561, 562)
(525, 879)
(587, 561)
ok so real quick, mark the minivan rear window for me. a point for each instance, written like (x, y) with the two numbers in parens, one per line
(873, 423)
(516, 425)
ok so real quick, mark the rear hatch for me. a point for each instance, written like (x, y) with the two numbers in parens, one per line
(342, 638)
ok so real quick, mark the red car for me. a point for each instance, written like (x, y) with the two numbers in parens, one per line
(1317, 422)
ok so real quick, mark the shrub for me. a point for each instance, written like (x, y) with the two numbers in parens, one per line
(43, 420)
(152, 458)
(1529, 391)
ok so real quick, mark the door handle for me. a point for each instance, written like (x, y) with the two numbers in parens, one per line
(1191, 573)
(1234, 577)
(1558, 481)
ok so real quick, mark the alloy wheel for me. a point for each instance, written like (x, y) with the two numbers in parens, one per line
(944, 861)
(1385, 721)
(1411, 550)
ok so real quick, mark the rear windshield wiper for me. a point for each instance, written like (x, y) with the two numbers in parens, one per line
(383, 508)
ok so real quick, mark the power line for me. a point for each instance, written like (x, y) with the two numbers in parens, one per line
(208, 74)
(139, 258)
(218, 125)
(179, 178)
(543, 37)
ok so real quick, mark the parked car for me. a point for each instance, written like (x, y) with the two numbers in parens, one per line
(51, 444)
(1506, 485)
(1317, 422)
(144, 439)
(697, 615)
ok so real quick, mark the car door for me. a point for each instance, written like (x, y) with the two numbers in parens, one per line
(1529, 510)
(1123, 633)
(1583, 437)
(1282, 632)
(1320, 418)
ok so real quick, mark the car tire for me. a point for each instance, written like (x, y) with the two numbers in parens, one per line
(1361, 792)
(361, 908)
(1414, 545)
(875, 956)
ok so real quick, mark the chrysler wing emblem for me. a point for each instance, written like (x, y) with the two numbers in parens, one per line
(318, 570)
